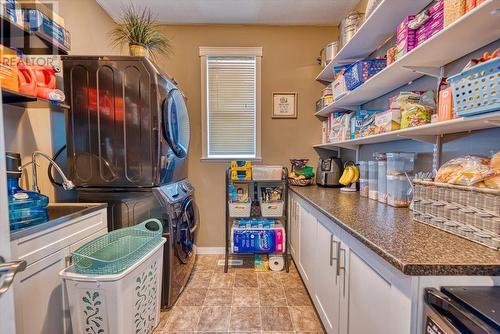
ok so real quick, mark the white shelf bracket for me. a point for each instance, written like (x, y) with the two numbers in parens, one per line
(436, 154)
(495, 122)
(430, 139)
(435, 72)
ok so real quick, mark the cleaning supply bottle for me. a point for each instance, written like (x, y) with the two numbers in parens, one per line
(26, 208)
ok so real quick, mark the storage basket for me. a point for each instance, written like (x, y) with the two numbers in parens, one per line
(272, 209)
(240, 210)
(362, 70)
(477, 90)
(118, 250)
(301, 182)
(470, 212)
(125, 303)
(267, 173)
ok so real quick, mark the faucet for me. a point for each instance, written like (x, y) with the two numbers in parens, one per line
(66, 183)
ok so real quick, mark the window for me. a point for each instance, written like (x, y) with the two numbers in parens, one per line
(231, 103)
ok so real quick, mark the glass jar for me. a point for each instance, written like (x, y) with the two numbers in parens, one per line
(363, 187)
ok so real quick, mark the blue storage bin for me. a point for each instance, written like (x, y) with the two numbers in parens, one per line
(362, 70)
(477, 90)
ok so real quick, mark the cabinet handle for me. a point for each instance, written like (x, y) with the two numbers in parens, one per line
(7, 271)
(331, 250)
(343, 269)
(338, 257)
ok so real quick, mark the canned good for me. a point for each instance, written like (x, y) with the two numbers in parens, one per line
(483, 237)
(451, 226)
(466, 216)
(450, 210)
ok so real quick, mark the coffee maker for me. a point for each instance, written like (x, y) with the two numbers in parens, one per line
(329, 172)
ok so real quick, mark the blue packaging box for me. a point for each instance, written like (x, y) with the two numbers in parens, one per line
(37, 21)
(363, 123)
(254, 241)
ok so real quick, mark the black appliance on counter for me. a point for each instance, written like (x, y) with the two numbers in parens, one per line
(128, 135)
(462, 310)
(329, 172)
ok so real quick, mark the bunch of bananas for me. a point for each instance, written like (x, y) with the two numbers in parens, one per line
(293, 175)
(350, 175)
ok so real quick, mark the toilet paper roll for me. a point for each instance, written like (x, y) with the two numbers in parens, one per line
(276, 262)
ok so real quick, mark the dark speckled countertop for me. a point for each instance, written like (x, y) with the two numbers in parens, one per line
(413, 248)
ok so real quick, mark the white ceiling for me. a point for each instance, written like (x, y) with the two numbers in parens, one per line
(278, 12)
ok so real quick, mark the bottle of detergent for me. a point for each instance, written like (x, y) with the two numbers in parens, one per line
(26, 208)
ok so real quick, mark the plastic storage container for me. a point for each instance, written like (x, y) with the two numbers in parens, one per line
(125, 303)
(382, 182)
(240, 210)
(272, 209)
(361, 71)
(400, 163)
(267, 173)
(397, 191)
(363, 188)
(477, 90)
(26, 208)
(363, 170)
(373, 180)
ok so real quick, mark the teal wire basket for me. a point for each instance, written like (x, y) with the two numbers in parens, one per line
(117, 250)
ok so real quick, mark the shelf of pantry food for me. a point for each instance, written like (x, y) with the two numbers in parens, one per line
(12, 32)
(426, 133)
(472, 31)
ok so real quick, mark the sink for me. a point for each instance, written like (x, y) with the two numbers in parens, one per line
(59, 213)
(56, 210)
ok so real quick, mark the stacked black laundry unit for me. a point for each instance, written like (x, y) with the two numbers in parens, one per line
(128, 138)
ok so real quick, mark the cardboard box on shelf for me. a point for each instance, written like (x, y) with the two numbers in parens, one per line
(453, 10)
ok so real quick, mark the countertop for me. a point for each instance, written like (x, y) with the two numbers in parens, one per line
(413, 248)
(59, 213)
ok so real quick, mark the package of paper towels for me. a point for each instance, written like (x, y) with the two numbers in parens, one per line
(276, 262)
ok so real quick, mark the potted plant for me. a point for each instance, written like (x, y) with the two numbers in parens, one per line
(139, 30)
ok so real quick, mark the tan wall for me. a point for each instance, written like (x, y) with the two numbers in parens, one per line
(40, 129)
(288, 65)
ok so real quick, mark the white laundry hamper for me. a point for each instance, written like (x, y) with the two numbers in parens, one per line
(123, 303)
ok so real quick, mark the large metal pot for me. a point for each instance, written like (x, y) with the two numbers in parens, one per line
(349, 25)
(328, 53)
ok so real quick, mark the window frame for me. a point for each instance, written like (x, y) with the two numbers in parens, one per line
(205, 53)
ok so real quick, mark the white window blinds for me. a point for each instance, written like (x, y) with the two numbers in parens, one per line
(231, 107)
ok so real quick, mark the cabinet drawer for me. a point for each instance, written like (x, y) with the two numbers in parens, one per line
(34, 247)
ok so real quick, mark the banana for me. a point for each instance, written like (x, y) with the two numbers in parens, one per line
(343, 177)
(349, 174)
(356, 174)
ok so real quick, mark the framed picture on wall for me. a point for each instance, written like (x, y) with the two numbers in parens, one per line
(284, 105)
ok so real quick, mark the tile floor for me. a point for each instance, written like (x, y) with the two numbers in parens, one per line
(241, 301)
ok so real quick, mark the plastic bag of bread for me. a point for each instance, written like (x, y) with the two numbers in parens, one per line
(493, 182)
(467, 170)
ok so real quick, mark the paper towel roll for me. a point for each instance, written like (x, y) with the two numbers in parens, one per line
(276, 262)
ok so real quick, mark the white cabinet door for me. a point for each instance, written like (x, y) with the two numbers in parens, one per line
(372, 300)
(326, 281)
(294, 228)
(307, 247)
(39, 296)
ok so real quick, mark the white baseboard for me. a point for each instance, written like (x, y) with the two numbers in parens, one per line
(210, 250)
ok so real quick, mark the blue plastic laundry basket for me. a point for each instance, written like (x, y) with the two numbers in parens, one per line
(477, 90)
